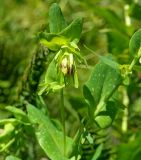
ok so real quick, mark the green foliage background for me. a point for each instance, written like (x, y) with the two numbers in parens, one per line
(108, 27)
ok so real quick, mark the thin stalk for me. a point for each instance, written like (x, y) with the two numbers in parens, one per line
(62, 107)
(135, 60)
(126, 15)
(133, 63)
(124, 125)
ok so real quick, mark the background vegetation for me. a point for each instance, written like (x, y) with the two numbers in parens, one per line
(107, 28)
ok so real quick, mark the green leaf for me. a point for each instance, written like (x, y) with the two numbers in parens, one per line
(73, 31)
(50, 139)
(51, 80)
(56, 19)
(103, 82)
(98, 152)
(108, 61)
(51, 74)
(8, 120)
(7, 133)
(107, 114)
(18, 113)
(88, 96)
(135, 43)
(53, 42)
(12, 158)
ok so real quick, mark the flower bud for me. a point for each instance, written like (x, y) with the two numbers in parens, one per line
(67, 64)
(64, 65)
(71, 61)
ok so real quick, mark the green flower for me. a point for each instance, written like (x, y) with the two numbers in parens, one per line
(62, 40)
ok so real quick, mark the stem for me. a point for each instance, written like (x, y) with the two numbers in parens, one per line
(125, 113)
(135, 60)
(63, 119)
(133, 63)
(126, 15)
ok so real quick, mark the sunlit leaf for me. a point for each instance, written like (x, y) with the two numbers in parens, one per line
(97, 152)
(7, 133)
(18, 113)
(54, 43)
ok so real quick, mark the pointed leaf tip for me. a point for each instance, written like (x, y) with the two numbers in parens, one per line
(56, 19)
(135, 43)
(73, 30)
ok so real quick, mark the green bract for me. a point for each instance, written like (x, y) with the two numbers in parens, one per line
(62, 40)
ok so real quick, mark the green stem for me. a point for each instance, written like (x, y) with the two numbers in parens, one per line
(63, 119)
(135, 60)
(126, 15)
(133, 63)
(124, 125)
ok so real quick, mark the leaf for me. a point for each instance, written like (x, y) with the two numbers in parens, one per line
(56, 19)
(51, 74)
(53, 42)
(103, 82)
(88, 97)
(18, 113)
(51, 79)
(73, 31)
(50, 139)
(107, 114)
(7, 133)
(97, 152)
(12, 158)
(8, 120)
(135, 43)
(108, 61)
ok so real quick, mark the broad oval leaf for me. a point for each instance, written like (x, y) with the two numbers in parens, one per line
(103, 82)
(49, 138)
(135, 43)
